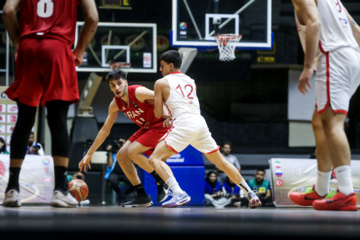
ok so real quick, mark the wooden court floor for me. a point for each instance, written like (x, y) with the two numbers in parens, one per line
(113, 222)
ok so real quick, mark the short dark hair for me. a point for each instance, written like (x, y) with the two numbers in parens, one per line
(116, 74)
(172, 56)
(226, 143)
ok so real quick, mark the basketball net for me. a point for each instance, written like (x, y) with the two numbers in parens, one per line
(226, 45)
(119, 65)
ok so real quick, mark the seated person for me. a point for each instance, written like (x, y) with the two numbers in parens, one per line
(261, 187)
(232, 191)
(114, 173)
(3, 149)
(76, 175)
(213, 194)
(34, 148)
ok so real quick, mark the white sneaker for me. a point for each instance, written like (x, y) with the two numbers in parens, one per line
(12, 199)
(61, 200)
(177, 200)
(253, 200)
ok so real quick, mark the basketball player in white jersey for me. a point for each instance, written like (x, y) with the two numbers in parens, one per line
(178, 92)
(330, 39)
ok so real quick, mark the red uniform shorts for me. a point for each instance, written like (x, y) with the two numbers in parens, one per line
(149, 137)
(44, 71)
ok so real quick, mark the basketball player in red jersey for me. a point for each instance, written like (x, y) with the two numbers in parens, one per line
(136, 102)
(45, 74)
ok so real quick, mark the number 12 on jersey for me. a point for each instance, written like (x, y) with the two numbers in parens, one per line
(188, 89)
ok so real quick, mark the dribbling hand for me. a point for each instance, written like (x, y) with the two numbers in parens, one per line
(85, 162)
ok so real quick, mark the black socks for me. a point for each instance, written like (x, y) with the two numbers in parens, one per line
(13, 179)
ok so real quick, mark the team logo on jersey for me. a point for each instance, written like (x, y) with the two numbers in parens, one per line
(344, 20)
(136, 106)
(124, 108)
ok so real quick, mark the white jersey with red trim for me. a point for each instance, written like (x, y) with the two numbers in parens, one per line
(336, 30)
(182, 98)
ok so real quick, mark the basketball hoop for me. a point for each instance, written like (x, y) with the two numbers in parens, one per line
(226, 45)
(119, 65)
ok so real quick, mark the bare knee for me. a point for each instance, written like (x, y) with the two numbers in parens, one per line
(121, 156)
(152, 161)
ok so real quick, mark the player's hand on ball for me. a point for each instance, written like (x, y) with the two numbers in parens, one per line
(85, 162)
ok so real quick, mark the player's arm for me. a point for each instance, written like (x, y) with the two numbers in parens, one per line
(143, 93)
(354, 27)
(159, 98)
(101, 136)
(11, 22)
(88, 30)
(307, 12)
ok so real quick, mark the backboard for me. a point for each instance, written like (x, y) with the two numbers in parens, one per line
(133, 43)
(195, 23)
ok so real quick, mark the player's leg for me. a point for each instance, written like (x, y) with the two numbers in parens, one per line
(141, 199)
(341, 83)
(18, 145)
(135, 153)
(157, 160)
(230, 170)
(340, 157)
(60, 146)
(324, 165)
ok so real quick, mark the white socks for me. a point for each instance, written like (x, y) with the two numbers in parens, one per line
(322, 183)
(173, 185)
(244, 187)
(343, 176)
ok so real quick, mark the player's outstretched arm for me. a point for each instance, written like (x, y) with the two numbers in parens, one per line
(101, 136)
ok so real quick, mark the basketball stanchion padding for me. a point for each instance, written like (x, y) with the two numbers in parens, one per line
(226, 44)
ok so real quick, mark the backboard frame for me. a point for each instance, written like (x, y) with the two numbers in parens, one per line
(175, 42)
(103, 66)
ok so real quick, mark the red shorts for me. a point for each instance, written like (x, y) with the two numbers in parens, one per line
(44, 71)
(149, 137)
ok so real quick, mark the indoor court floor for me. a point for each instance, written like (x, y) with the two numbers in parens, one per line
(186, 222)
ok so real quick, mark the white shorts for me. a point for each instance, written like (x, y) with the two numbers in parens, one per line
(337, 78)
(190, 130)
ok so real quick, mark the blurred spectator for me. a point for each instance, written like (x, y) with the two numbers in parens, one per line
(115, 175)
(226, 150)
(34, 147)
(3, 146)
(261, 187)
(213, 194)
(235, 194)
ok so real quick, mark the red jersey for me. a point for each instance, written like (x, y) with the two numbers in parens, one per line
(49, 18)
(140, 113)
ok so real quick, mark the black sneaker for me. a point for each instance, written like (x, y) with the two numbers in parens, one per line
(138, 201)
(163, 192)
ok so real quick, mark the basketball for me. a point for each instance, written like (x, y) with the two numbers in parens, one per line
(79, 189)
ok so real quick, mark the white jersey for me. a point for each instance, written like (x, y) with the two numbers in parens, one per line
(182, 99)
(335, 27)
